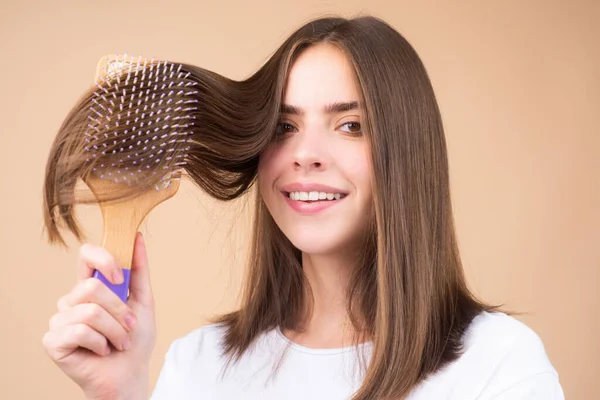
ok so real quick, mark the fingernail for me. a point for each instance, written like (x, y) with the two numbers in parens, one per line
(118, 276)
(126, 344)
(107, 351)
(130, 320)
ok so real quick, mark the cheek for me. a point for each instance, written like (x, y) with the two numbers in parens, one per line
(268, 166)
(358, 169)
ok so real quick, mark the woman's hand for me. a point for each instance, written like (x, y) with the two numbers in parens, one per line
(101, 343)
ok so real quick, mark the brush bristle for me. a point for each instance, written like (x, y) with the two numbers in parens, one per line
(140, 120)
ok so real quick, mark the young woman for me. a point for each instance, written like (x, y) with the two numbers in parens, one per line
(355, 287)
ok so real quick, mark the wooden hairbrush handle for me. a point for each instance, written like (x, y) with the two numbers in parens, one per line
(121, 221)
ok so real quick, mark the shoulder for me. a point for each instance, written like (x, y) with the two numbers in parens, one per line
(496, 326)
(501, 359)
(190, 365)
(204, 341)
(504, 339)
(511, 357)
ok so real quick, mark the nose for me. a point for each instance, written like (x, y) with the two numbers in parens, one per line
(309, 153)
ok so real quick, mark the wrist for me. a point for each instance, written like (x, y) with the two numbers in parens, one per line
(135, 388)
(133, 392)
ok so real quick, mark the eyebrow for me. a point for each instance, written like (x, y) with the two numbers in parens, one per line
(332, 108)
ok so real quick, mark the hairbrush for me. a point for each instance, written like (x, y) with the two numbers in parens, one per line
(135, 136)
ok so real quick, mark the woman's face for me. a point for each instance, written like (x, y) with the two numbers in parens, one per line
(315, 178)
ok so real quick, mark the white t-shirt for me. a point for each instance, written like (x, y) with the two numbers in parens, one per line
(503, 360)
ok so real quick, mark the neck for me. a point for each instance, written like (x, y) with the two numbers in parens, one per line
(327, 323)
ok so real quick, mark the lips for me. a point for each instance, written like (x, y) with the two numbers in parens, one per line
(315, 196)
(311, 187)
(308, 199)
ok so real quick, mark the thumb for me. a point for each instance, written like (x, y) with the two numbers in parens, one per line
(140, 289)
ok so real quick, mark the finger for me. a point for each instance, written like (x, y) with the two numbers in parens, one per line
(97, 318)
(93, 258)
(92, 290)
(62, 303)
(63, 342)
(140, 288)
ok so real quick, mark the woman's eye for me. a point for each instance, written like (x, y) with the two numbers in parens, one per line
(353, 127)
(283, 128)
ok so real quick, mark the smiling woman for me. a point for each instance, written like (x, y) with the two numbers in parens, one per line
(353, 261)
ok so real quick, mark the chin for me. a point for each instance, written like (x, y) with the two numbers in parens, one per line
(322, 243)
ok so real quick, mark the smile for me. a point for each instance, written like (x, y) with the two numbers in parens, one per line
(310, 203)
(315, 196)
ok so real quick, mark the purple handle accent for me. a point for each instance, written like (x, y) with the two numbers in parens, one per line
(120, 290)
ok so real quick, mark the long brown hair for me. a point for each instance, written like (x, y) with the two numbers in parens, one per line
(409, 293)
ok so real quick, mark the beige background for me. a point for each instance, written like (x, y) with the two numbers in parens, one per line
(518, 85)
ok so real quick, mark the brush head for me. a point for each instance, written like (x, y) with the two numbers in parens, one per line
(139, 122)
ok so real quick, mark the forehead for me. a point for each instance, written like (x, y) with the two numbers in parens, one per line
(321, 75)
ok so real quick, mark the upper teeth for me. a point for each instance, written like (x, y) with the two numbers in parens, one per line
(304, 196)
